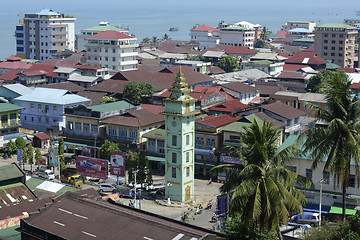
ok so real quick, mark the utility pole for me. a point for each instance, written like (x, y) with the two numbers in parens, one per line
(135, 172)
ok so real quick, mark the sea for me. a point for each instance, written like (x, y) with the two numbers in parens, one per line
(155, 18)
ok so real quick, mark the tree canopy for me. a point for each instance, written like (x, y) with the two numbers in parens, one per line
(229, 63)
(318, 82)
(107, 148)
(136, 92)
(139, 162)
(20, 143)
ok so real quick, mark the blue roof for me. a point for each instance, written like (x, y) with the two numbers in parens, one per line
(18, 88)
(48, 12)
(52, 96)
(300, 30)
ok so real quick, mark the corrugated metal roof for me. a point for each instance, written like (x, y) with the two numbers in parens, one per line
(9, 172)
(6, 107)
(18, 88)
(52, 96)
(113, 106)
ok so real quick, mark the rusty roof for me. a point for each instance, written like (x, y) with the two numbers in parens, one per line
(137, 118)
(72, 87)
(283, 110)
(80, 218)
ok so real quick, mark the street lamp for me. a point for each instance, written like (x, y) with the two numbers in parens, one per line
(321, 183)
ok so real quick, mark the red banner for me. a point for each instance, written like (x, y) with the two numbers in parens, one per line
(91, 167)
(42, 161)
(117, 160)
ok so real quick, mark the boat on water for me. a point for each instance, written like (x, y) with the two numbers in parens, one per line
(174, 29)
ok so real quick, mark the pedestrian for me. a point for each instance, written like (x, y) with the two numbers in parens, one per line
(130, 203)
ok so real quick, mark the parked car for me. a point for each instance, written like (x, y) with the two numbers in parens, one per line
(106, 187)
(47, 174)
(306, 218)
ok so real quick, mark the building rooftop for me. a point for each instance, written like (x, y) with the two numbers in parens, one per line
(308, 97)
(104, 28)
(335, 25)
(111, 35)
(137, 118)
(283, 110)
(205, 28)
(239, 87)
(18, 88)
(235, 28)
(240, 50)
(217, 120)
(6, 107)
(52, 96)
(113, 106)
(48, 12)
(229, 106)
(300, 30)
(157, 133)
(307, 58)
(72, 87)
(10, 171)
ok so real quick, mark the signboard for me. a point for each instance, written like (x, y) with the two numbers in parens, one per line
(229, 159)
(223, 203)
(52, 160)
(117, 163)
(42, 161)
(114, 197)
(12, 222)
(86, 150)
(91, 167)
(19, 155)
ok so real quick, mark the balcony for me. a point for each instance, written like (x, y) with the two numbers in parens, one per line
(73, 134)
(54, 40)
(126, 140)
(58, 33)
(11, 125)
(128, 62)
(129, 54)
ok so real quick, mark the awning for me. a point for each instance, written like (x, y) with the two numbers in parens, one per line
(338, 210)
(156, 159)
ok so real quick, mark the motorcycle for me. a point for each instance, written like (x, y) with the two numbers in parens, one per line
(208, 206)
(198, 211)
(213, 218)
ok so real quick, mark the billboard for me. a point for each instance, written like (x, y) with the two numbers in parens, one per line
(91, 167)
(42, 161)
(19, 155)
(117, 161)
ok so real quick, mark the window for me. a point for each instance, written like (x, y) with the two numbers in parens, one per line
(351, 181)
(113, 59)
(161, 145)
(78, 128)
(173, 157)
(47, 120)
(288, 123)
(94, 129)
(325, 47)
(187, 156)
(333, 35)
(32, 107)
(187, 171)
(199, 143)
(32, 119)
(173, 170)
(325, 53)
(309, 174)
(326, 177)
(70, 126)
(114, 51)
(332, 54)
(332, 48)
(210, 143)
(133, 134)
(54, 109)
(333, 41)
(325, 41)
(112, 131)
(341, 42)
(123, 132)
(174, 140)
(187, 139)
(291, 168)
(86, 129)
(39, 107)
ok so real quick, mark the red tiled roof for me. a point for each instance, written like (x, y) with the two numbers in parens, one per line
(216, 70)
(239, 87)
(307, 58)
(268, 90)
(165, 94)
(282, 40)
(205, 89)
(95, 97)
(42, 136)
(310, 49)
(172, 48)
(283, 110)
(67, 64)
(111, 35)
(276, 124)
(40, 69)
(88, 67)
(72, 87)
(281, 33)
(15, 65)
(13, 58)
(137, 118)
(240, 50)
(176, 42)
(218, 120)
(348, 70)
(281, 52)
(11, 75)
(292, 75)
(156, 109)
(293, 67)
(229, 106)
(355, 86)
(205, 28)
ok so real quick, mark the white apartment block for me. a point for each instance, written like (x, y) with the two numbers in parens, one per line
(299, 24)
(237, 36)
(206, 36)
(85, 33)
(44, 33)
(113, 50)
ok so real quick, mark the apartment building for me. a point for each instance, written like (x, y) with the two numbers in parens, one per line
(310, 25)
(112, 49)
(206, 36)
(85, 33)
(336, 42)
(38, 35)
(237, 36)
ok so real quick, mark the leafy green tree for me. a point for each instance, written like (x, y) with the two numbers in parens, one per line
(20, 143)
(136, 91)
(11, 147)
(38, 155)
(259, 44)
(337, 143)
(145, 40)
(154, 40)
(265, 34)
(165, 37)
(107, 148)
(107, 99)
(61, 150)
(317, 83)
(139, 162)
(229, 63)
(264, 190)
(30, 155)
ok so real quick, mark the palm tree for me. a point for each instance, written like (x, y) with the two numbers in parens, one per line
(154, 40)
(145, 40)
(338, 143)
(264, 191)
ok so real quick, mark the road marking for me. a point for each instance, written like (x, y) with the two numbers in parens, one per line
(63, 210)
(89, 234)
(80, 216)
(179, 236)
(61, 224)
(193, 239)
(148, 238)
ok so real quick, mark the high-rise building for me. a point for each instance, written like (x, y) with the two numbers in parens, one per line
(335, 42)
(237, 36)
(179, 141)
(85, 33)
(112, 49)
(41, 34)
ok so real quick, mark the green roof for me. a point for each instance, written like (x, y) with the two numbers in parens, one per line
(7, 107)
(335, 25)
(157, 159)
(332, 66)
(34, 182)
(113, 106)
(265, 62)
(237, 28)
(300, 21)
(104, 28)
(9, 172)
(155, 134)
(10, 233)
(304, 40)
(338, 210)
